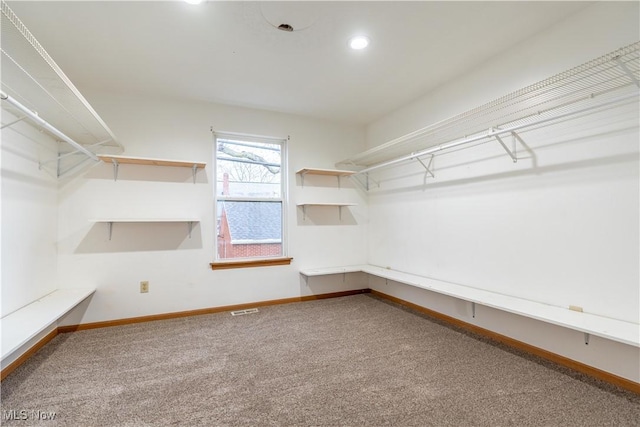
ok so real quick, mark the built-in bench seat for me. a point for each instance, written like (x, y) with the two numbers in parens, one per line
(23, 325)
(589, 324)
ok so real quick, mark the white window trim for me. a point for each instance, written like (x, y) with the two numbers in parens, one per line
(284, 190)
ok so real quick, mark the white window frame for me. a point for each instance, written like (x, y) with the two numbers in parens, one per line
(283, 199)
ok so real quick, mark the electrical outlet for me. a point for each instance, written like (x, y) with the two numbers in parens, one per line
(144, 287)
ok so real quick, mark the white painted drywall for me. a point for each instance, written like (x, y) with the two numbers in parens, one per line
(29, 214)
(177, 266)
(559, 227)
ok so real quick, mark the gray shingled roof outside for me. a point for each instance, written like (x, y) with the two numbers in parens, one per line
(254, 221)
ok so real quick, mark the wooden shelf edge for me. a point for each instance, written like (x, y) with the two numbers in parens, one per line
(107, 158)
(225, 265)
(327, 204)
(328, 172)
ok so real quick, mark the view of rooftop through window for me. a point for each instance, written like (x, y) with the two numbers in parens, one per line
(249, 198)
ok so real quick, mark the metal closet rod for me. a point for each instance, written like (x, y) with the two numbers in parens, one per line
(34, 116)
(492, 134)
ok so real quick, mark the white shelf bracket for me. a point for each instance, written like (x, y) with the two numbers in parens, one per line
(13, 122)
(116, 165)
(110, 229)
(302, 179)
(358, 181)
(627, 71)
(473, 310)
(516, 137)
(194, 171)
(512, 152)
(427, 167)
(586, 338)
(190, 227)
(338, 178)
(304, 213)
(46, 125)
(368, 184)
(340, 213)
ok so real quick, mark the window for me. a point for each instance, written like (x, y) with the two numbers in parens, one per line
(249, 198)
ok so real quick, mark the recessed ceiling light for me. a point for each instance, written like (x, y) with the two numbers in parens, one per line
(359, 42)
(193, 1)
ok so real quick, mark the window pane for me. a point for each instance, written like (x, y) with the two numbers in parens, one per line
(248, 169)
(249, 229)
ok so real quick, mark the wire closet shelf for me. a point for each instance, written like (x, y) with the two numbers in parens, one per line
(34, 88)
(613, 79)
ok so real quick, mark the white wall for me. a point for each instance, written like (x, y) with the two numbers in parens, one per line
(178, 267)
(29, 215)
(559, 227)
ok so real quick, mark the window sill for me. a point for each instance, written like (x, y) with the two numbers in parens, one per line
(224, 265)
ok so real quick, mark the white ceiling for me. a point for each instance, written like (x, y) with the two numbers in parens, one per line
(231, 53)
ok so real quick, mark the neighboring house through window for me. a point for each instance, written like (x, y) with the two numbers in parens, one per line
(250, 197)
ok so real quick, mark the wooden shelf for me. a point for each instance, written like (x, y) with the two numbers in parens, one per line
(151, 162)
(327, 172)
(340, 205)
(117, 160)
(323, 172)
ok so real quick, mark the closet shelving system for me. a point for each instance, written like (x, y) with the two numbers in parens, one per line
(35, 89)
(606, 82)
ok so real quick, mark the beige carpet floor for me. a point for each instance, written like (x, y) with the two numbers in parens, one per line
(351, 361)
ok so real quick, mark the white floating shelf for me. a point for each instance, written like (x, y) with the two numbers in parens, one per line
(587, 323)
(111, 221)
(23, 325)
(145, 220)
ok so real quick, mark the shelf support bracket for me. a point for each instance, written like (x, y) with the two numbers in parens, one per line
(511, 153)
(302, 179)
(304, 213)
(368, 185)
(340, 213)
(116, 165)
(194, 171)
(13, 122)
(190, 227)
(586, 338)
(473, 310)
(427, 167)
(110, 229)
(627, 71)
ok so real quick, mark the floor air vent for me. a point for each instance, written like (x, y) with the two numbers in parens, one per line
(241, 312)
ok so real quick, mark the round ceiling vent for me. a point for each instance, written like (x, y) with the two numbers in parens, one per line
(290, 16)
(285, 27)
